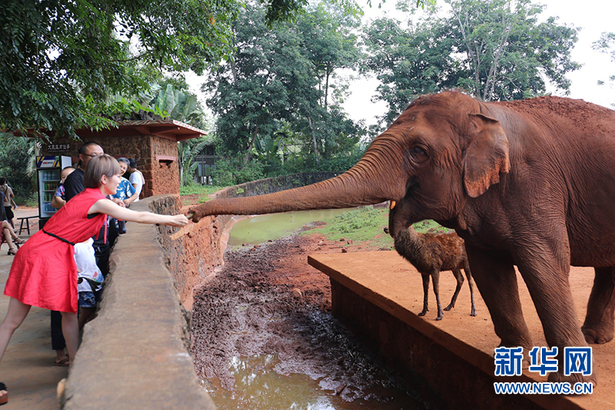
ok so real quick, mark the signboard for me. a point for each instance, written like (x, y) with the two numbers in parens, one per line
(60, 148)
(48, 162)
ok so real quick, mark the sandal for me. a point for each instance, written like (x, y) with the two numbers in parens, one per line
(5, 397)
(12, 251)
(62, 362)
(19, 241)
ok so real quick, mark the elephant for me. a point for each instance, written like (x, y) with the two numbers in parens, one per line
(528, 183)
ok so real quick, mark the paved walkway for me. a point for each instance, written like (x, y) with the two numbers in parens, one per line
(27, 367)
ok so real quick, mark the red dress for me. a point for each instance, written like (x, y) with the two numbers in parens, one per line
(44, 272)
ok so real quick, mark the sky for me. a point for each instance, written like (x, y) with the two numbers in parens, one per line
(592, 16)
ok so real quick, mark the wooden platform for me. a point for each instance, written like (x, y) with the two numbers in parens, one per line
(450, 361)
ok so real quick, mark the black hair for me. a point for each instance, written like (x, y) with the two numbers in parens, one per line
(83, 146)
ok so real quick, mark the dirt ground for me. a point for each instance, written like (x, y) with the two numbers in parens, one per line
(267, 300)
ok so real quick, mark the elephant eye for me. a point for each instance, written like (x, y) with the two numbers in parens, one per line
(419, 153)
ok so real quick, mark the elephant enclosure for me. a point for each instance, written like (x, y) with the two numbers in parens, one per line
(267, 302)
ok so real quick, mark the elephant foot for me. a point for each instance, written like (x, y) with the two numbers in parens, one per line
(440, 317)
(423, 312)
(598, 334)
(473, 312)
(449, 307)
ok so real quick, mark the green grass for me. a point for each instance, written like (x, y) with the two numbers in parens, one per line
(202, 190)
(366, 225)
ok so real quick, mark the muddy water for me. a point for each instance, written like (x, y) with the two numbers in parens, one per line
(257, 346)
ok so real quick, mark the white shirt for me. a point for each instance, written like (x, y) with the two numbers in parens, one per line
(136, 178)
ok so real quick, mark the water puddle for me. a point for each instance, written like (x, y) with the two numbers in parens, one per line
(259, 386)
(336, 375)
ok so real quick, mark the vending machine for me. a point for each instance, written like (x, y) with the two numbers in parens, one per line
(48, 169)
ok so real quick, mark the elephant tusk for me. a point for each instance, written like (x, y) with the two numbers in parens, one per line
(393, 204)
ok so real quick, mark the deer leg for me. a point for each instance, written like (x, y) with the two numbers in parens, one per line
(466, 268)
(425, 294)
(435, 278)
(459, 277)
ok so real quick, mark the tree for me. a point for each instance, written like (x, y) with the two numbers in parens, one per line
(172, 98)
(280, 80)
(606, 44)
(18, 165)
(60, 59)
(495, 49)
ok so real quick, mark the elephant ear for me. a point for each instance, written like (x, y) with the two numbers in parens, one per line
(486, 156)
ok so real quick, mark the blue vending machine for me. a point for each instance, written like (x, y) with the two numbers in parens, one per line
(48, 169)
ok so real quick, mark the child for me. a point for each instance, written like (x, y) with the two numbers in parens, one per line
(89, 280)
(44, 271)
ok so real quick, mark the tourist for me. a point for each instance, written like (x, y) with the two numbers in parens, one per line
(44, 270)
(59, 198)
(8, 201)
(7, 231)
(136, 177)
(126, 194)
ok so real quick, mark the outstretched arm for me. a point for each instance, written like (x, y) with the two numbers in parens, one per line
(106, 206)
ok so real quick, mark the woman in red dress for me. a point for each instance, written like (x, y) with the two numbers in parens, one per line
(44, 272)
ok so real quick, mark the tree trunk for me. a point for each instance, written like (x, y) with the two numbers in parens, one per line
(314, 139)
(254, 135)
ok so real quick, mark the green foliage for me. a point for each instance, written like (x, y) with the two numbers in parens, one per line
(429, 226)
(494, 49)
(277, 96)
(358, 219)
(188, 150)
(235, 170)
(17, 164)
(359, 225)
(606, 44)
(61, 59)
(203, 191)
(366, 224)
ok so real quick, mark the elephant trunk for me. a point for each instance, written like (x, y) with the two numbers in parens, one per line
(374, 179)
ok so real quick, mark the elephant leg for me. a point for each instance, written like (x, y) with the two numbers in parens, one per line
(435, 278)
(425, 279)
(550, 290)
(497, 283)
(600, 318)
(459, 277)
(466, 268)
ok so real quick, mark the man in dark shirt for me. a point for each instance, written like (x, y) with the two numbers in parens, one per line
(74, 182)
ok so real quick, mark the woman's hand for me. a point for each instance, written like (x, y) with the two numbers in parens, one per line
(178, 220)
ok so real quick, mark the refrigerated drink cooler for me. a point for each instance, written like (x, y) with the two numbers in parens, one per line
(48, 169)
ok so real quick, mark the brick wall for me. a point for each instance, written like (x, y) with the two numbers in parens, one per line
(156, 158)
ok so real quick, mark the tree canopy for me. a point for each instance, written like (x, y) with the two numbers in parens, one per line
(60, 59)
(606, 44)
(494, 49)
(276, 92)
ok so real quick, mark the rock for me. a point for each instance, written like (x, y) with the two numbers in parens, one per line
(344, 250)
(297, 293)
